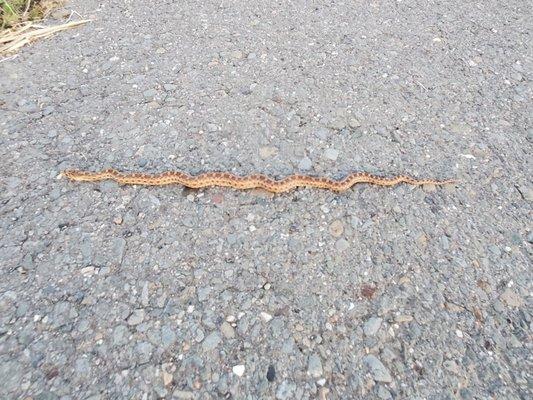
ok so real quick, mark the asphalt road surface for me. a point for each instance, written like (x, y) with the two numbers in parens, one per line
(128, 292)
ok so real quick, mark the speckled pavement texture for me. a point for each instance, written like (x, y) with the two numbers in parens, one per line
(124, 292)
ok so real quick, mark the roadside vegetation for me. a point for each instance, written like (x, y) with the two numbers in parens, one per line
(22, 23)
(14, 12)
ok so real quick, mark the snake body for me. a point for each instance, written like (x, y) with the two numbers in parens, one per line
(227, 179)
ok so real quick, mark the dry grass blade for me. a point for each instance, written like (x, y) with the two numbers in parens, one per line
(27, 8)
(13, 39)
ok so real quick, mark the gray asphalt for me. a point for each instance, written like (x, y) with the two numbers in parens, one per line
(112, 292)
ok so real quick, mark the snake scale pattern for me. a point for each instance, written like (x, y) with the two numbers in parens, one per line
(260, 181)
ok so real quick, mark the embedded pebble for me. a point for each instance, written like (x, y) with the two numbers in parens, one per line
(285, 391)
(268, 152)
(203, 293)
(182, 394)
(168, 336)
(336, 228)
(314, 366)
(305, 164)
(530, 135)
(322, 133)
(237, 54)
(144, 352)
(383, 393)
(150, 94)
(336, 123)
(227, 330)
(371, 327)
(211, 341)
(271, 373)
(238, 369)
(266, 317)
(403, 318)
(511, 298)
(169, 87)
(526, 192)
(323, 393)
(451, 366)
(354, 122)
(120, 335)
(136, 317)
(379, 372)
(200, 336)
(342, 245)
(331, 154)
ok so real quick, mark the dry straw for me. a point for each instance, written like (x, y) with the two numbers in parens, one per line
(13, 39)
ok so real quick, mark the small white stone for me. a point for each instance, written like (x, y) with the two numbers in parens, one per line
(190, 309)
(88, 271)
(459, 333)
(230, 318)
(265, 316)
(238, 370)
(321, 382)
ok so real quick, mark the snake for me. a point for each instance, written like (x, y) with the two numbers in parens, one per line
(255, 181)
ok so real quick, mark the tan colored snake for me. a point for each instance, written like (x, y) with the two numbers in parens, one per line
(246, 182)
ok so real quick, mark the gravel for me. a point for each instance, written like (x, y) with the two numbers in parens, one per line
(136, 317)
(271, 373)
(239, 370)
(331, 154)
(372, 326)
(120, 335)
(211, 341)
(314, 366)
(227, 330)
(379, 372)
(113, 291)
(305, 164)
(285, 391)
